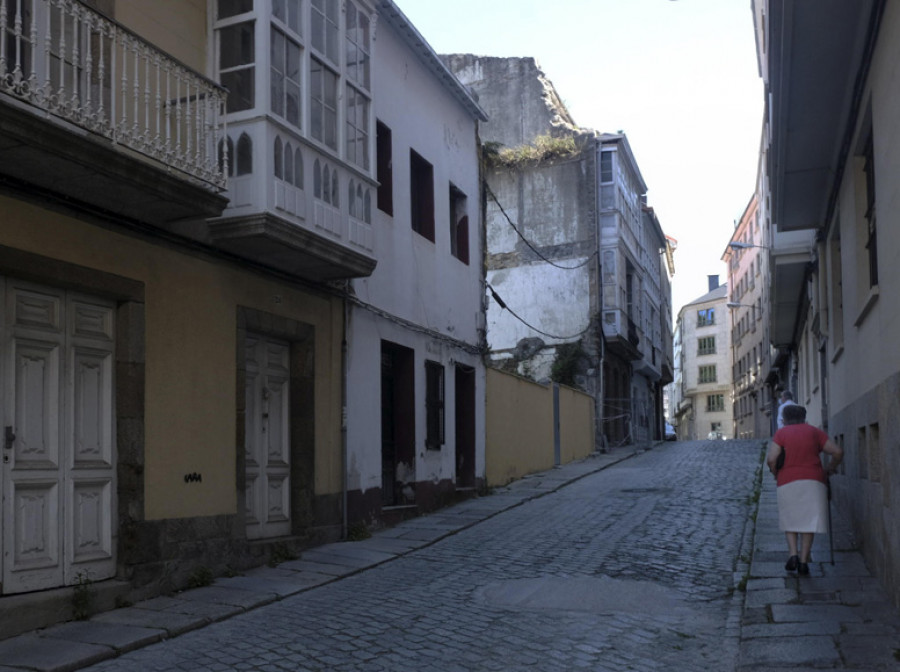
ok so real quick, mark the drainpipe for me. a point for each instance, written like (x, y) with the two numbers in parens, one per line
(344, 450)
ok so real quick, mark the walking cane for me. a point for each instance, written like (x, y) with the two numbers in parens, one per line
(830, 536)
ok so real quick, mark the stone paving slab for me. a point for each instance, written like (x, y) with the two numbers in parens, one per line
(122, 638)
(173, 623)
(187, 606)
(266, 585)
(813, 651)
(51, 655)
(217, 594)
(305, 579)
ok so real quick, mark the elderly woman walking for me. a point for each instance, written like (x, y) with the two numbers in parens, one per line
(802, 491)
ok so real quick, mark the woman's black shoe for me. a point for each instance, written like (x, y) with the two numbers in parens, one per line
(803, 568)
(792, 564)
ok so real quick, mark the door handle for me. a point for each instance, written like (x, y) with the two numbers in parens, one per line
(8, 438)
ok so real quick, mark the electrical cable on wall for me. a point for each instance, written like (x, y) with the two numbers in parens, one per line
(525, 240)
(503, 305)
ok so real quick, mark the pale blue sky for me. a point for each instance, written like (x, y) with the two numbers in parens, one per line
(680, 78)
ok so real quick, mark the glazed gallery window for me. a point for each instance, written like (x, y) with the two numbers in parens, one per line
(357, 127)
(706, 345)
(715, 403)
(324, 28)
(434, 405)
(706, 317)
(323, 103)
(421, 181)
(285, 77)
(707, 374)
(237, 69)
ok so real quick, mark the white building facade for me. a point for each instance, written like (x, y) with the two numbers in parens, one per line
(704, 408)
(415, 378)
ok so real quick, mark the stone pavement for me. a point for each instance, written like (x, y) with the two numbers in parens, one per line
(839, 617)
(634, 588)
(77, 644)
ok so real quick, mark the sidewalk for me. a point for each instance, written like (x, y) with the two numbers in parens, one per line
(77, 644)
(838, 617)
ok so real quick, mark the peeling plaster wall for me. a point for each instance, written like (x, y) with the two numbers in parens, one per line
(520, 101)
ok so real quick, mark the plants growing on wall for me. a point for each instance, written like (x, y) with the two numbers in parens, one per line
(543, 148)
(565, 366)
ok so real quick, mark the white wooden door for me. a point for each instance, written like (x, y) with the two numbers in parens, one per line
(267, 438)
(58, 459)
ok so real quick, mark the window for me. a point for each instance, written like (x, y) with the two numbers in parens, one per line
(459, 225)
(706, 345)
(357, 46)
(606, 166)
(240, 163)
(323, 103)
(244, 157)
(236, 64)
(285, 78)
(288, 163)
(706, 317)
(325, 183)
(836, 292)
(357, 127)
(707, 374)
(234, 7)
(421, 196)
(383, 158)
(324, 28)
(872, 238)
(715, 403)
(288, 12)
(434, 405)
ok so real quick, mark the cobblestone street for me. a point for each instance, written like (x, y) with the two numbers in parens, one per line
(629, 568)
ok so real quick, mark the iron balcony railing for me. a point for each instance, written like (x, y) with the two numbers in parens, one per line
(71, 62)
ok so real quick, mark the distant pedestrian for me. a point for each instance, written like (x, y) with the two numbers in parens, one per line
(802, 491)
(786, 399)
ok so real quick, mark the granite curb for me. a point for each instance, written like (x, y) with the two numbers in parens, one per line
(74, 645)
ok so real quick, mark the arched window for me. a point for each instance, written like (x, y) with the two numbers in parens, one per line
(317, 179)
(244, 155)
(279, 158)
(367, 207)
(335, 201)
(326, 184)
(289, 164)
(351, 200)
(298, 169)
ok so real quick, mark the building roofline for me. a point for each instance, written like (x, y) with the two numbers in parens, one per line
(413, 39)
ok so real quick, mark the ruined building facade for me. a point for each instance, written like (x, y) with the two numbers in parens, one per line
(579, 291)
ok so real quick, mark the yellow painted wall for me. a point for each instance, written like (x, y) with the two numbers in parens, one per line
(184, 38)
(519, 419)
(576, 424)
(191, 306)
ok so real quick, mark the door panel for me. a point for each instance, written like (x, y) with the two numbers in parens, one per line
(267, 438)
(58, 472)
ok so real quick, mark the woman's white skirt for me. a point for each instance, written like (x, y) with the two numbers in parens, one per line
(803, 507)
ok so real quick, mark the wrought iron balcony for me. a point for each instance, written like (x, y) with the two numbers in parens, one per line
(91, 111)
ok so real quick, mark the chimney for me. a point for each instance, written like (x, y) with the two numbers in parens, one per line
(713, 282)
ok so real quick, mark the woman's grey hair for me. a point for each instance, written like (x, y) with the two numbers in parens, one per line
(794, 414)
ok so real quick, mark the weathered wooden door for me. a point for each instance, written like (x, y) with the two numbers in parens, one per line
(267, 438)
(58, 455)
